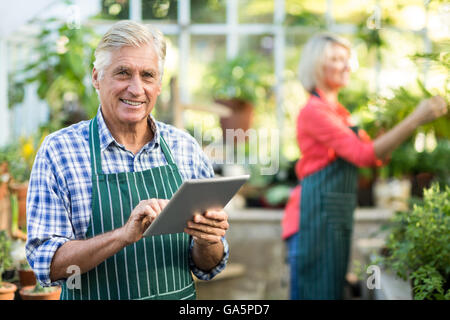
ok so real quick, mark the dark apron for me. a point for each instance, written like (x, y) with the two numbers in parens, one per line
(152, 268)
(328, 201)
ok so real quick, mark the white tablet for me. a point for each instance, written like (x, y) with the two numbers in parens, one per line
(194, 196)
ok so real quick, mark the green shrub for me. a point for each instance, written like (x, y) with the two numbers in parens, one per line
(419, 245)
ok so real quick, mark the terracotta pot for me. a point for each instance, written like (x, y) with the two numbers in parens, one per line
(7, 291)
(21, 191)
(25, 294)
(241, 117)
(27, 278)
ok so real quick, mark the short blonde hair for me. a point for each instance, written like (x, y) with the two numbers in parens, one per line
(129, 33)
(313, 57)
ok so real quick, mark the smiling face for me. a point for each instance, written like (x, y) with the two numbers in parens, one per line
(336, 68)
(130, 85)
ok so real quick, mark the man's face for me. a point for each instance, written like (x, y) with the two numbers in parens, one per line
(130, 85)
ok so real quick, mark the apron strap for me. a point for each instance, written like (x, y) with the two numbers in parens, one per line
(94, 146)
(166, 150)
(315, 93)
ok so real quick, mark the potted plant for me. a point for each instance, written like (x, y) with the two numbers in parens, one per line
(38, 292)
(7, 289)
(418, 247)
(239, 84)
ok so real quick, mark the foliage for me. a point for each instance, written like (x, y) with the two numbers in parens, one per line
(278, 194)
(65, 56)
(419, 245)
(296, 14)
(243, 77)
(354, 97)
(5, 253)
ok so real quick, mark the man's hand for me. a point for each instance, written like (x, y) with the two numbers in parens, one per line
(207, 230)
(140, 219)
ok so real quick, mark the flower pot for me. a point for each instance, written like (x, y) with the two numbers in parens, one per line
(26, 294)
(241, 116)
(27, 278)
(21, 191)
(7, 291)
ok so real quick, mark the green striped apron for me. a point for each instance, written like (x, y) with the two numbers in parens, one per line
(326, 214)
(152, 268)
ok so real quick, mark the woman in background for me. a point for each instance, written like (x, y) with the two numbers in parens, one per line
(319, 242)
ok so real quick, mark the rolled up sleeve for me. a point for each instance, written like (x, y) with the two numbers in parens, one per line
(202, 275)
(48, 222)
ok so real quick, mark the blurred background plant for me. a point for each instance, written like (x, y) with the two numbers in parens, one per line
(418, 245)
(20, 156)
(243, 78)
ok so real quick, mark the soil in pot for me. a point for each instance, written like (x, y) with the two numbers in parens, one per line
(26, 293)
(7, 291)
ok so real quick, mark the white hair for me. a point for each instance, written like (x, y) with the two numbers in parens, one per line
(310, 68)
(129, 33)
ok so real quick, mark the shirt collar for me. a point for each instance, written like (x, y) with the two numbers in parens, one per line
(106, 138)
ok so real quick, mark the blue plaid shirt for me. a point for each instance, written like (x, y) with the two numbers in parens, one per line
(59, 193)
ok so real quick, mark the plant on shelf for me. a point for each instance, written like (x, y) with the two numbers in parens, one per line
(20, 157)
(7, 289)
(418, 247)
(238, 83)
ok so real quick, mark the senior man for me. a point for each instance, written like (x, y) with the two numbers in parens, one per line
(97, 185)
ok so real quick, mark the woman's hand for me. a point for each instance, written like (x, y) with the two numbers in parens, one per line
(426, 111)
(430, 109)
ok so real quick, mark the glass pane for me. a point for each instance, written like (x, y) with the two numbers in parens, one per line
(114, 9)
(161, 10)
(305, 13)
(397, 67)
(205, 50)
(261, 47)
(161, 110)
(350, 11)
(208, 11)
(439, 21)
(255, 11)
